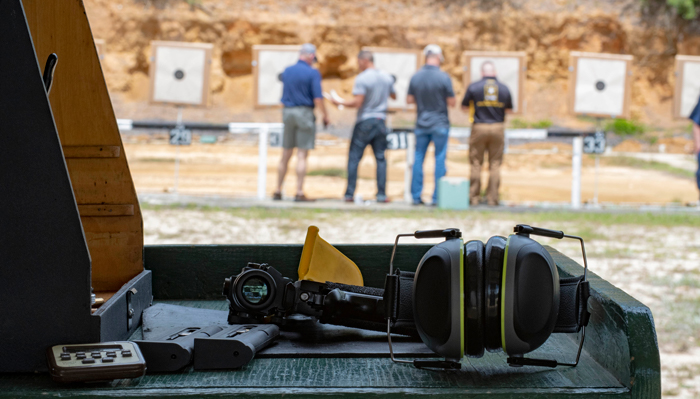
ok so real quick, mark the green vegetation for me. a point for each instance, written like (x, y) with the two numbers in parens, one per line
(687, 9)
(625, 127)
(648, 165)
(519, 123)
(551, 218)
(542, 124)
(330, 172)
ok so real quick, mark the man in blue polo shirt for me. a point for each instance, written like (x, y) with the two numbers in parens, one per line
(431, 90)
(695, 117)
(300, 94)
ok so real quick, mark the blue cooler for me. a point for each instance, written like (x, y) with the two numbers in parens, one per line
(453, 193)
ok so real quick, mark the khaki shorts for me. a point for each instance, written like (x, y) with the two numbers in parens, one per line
(299, 128)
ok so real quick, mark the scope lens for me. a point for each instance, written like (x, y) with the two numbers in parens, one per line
(255, 290)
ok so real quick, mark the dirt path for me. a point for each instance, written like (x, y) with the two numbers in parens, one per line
(230, 169)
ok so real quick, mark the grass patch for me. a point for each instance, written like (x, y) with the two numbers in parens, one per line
(637, 163)
(553, 219)
(519, 123)
(330, 172)
(625, 127)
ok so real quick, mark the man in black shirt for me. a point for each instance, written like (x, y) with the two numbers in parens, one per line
(489, 99)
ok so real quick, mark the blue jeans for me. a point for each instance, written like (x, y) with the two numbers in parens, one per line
(367, 132)
(423, 138)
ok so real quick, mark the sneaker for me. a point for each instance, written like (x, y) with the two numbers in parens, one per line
(418, 202)
(303, 198)
(383, 200)
(277, 196)
(349, 199)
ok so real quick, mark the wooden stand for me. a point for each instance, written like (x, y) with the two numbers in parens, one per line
(71, 222)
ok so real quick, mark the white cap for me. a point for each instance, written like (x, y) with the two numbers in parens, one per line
(433, 49)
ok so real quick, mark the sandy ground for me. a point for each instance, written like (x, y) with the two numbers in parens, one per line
(541, 174)
(655, 263)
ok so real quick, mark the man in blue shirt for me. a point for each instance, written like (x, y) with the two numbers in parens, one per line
(431, 90)
(300, 94)
(695, 117)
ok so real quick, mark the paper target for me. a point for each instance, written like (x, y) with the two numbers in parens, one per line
(269, 61)
(402, 65)
(180, 72)
(510, 70)
(599, 84)
(687, 91)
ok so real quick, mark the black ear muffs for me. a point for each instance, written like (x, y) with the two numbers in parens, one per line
(438, 309)
(494, 252)
(474, 298)
(529, 296)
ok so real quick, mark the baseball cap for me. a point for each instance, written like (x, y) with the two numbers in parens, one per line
(433, 49)
(308, 48)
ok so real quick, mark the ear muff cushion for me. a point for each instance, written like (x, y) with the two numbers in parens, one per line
(494, 252)
(474, 298)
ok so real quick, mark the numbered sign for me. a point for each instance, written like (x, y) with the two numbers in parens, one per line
(397, 141)
(179, 136)
(275, 139)
(595, 143)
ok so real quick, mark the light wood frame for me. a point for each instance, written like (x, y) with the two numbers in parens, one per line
(420, 60)
(206, 87)
(256, 55)
(678, 87)
(520, 55)
(573, 60)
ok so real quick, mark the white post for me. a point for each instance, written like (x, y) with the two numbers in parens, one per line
(262, 162)
(177, 167)
(595, 192)
(408, 173)
(576, 172)
(178, 126)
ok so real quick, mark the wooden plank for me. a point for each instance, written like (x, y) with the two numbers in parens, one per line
(622, 331)
(91, 151)
(174, 276)
(106, 210)
(84, 117)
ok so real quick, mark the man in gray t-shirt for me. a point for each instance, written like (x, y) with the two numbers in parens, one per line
(372, 91)
(431, 90)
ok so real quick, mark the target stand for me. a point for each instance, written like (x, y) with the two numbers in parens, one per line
(599, 86)
(687, 90)
(180, 75)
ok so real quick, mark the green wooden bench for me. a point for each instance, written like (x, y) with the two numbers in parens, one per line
(621, 356)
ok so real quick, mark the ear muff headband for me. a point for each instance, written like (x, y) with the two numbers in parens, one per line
(474, 297)
(494, 252)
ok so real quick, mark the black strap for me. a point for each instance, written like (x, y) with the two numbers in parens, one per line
(398, 299)
(573, 305)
